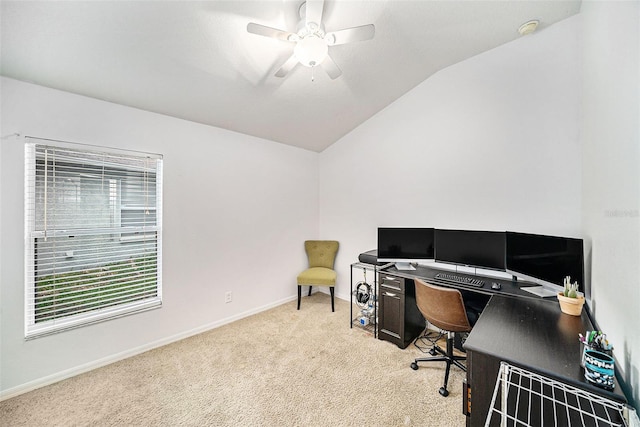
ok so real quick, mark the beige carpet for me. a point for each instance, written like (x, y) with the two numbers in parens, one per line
(282, 367)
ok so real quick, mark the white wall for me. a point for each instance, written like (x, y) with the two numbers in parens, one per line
(490, 143)
(236, 211)
(611, 174)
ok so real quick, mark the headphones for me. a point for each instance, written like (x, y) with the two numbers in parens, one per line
(363, 292)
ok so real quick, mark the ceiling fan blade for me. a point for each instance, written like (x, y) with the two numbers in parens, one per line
(287, 66)
(262, 30)
(314, 12)
(331, 68)
(348, 35)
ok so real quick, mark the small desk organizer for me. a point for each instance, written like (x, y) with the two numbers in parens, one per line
(599, 368)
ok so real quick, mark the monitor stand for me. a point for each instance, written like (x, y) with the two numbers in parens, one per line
(404, 266)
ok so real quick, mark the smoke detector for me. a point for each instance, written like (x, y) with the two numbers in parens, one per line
(528, 27)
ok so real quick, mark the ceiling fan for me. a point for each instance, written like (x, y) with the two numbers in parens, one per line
(311, 41)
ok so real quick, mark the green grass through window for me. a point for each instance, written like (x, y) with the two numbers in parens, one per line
(65, 294)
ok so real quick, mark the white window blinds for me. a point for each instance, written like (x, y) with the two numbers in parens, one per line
(93, 234)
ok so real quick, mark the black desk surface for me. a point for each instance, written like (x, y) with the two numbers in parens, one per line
(508, 287)
(534, 334)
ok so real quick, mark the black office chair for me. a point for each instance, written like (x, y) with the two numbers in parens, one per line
(444, 309)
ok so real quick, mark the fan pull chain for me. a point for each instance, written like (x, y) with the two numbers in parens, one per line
(313, 79)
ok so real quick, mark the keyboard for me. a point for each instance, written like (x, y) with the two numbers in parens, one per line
(463, 280)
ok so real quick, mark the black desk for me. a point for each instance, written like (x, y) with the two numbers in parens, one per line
(531, 333)
(520, 328)
(400, 321)
(508, 286)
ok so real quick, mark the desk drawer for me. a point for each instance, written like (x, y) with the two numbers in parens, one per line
(400, 319)
(391, 284)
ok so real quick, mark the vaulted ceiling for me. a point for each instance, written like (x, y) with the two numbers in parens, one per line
(196, 60)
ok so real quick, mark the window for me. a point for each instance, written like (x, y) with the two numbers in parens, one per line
(93, 225)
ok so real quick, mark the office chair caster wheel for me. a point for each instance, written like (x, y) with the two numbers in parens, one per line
(414, 366)
(444, 392)
(432, 352)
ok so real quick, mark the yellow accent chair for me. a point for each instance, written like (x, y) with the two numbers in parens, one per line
(322, 256)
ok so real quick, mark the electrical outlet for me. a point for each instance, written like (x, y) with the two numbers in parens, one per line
(228, 297)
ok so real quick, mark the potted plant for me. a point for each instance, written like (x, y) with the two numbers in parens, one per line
(571, 301)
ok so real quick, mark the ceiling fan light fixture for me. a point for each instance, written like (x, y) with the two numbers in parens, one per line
(311, 51)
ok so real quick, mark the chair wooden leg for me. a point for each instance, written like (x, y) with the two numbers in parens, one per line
(310, 287)
(332, 290)
(299, 295)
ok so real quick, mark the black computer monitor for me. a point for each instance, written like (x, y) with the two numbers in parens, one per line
(482, 249)
(405, 245)
(545, 258)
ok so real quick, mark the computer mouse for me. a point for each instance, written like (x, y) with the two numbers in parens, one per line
(496, 286)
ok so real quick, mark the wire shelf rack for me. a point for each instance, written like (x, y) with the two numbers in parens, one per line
(524, 398)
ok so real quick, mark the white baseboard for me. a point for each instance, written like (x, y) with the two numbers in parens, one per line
(77, 370)
(325, 290)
